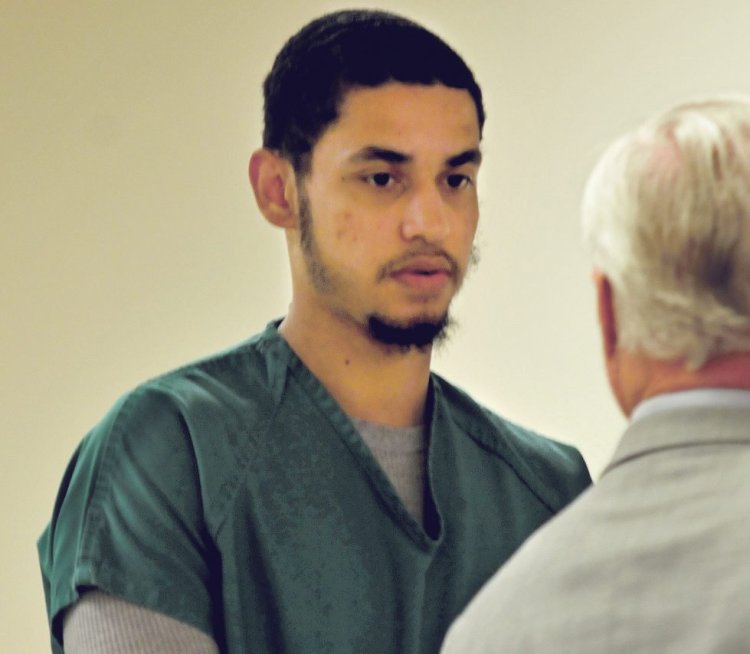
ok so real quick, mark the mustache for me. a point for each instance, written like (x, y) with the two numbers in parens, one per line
(407, 257)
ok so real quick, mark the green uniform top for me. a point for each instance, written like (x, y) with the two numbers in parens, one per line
(235, 495)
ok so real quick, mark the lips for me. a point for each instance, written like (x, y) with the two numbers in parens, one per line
(424, 273)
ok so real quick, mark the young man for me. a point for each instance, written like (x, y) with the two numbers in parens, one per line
(317, 488)
(654, 557)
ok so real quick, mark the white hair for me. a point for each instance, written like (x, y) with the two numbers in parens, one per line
(666, 215)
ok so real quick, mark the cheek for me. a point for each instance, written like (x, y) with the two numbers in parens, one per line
(346, 231)
(358, 231)
(469, 228)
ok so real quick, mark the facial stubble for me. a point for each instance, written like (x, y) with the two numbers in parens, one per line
(418, 333)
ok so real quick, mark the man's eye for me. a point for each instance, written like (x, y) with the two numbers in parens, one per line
(457, 181)
(380, 180)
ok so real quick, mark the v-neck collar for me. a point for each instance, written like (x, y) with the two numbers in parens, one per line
(276, 346)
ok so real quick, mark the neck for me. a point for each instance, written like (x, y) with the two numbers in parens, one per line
(642, 377)
(371, 381)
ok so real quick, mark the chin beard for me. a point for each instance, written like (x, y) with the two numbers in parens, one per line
(419, 333)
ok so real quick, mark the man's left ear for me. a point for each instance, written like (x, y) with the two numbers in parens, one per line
(274, 184)
(606, 309)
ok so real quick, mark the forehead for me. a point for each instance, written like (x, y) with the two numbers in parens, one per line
(410, 118)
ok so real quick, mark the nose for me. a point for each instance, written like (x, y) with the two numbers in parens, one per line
(426, 215)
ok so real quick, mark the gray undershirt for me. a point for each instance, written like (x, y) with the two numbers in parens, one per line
(102, 624)
(400, 451)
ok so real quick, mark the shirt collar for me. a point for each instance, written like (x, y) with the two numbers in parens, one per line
(707, 416)
(697, 397)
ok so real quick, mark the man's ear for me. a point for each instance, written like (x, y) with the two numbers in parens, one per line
(606, 309)
(274, 184)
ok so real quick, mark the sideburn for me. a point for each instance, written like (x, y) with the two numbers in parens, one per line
(319, 275)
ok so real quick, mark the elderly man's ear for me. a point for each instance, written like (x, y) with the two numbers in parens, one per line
(606, 310)
(274, 184)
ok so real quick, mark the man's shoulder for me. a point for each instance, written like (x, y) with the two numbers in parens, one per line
(200, 421)
(197, 406)
(252, 361)
(554, 469)
(236, 378)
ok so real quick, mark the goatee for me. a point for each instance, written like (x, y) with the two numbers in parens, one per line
(419, 334)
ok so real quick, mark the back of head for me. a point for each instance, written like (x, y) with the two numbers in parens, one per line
(666, 214)
(344, 50)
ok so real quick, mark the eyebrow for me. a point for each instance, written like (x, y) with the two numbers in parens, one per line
(375, 153)
(473, 156)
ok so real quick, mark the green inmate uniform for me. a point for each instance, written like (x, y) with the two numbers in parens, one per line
(235, 495)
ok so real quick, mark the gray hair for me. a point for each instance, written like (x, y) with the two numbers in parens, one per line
(666, 216)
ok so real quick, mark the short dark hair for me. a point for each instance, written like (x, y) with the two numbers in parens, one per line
(344, 50)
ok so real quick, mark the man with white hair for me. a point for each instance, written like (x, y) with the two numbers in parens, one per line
(653, 558)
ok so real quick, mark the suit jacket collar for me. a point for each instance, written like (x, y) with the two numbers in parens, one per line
(683, 426)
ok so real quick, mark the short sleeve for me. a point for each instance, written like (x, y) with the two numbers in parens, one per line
(129, 518)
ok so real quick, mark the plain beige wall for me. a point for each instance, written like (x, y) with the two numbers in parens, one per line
(130, 243)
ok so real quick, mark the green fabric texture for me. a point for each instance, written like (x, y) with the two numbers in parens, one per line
(235, 495)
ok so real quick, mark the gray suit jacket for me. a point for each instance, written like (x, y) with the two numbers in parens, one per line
(654, 558)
